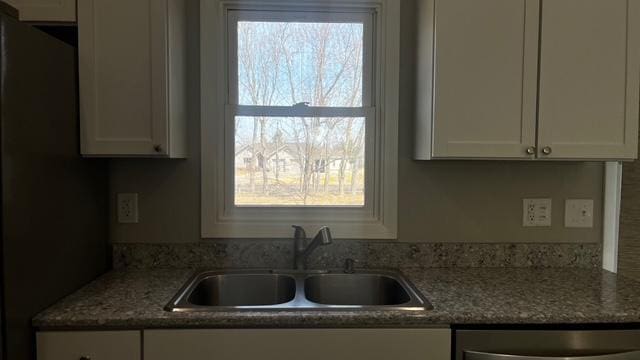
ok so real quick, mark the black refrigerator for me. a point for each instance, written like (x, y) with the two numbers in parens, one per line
(54, 202)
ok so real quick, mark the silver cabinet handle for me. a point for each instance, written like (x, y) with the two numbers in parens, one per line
(547, 150)
(474, 355)
(531, 150)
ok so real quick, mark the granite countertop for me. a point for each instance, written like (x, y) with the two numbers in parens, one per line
(135, 299)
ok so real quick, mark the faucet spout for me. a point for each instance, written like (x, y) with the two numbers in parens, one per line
(303, 252)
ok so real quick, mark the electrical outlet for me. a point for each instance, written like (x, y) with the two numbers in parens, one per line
(128, 208)
(578, 214)
(536, 213)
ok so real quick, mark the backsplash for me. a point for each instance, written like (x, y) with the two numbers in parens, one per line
(278, 254)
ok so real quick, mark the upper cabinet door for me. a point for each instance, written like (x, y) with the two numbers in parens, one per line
(45, 10)
(589, 79)
(485, 78)
(132, 82)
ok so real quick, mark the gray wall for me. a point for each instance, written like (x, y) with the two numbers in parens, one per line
(438, 201)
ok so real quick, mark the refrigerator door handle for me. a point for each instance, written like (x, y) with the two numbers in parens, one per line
(475, 355)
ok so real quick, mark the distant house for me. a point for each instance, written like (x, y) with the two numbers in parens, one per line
(286, 160)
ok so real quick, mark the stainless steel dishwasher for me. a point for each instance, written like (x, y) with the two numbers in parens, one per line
(547, 345)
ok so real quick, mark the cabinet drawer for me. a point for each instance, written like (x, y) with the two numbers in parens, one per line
(96, 345)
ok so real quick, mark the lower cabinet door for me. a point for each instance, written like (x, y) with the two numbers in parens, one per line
(89, 345)
(296, 344)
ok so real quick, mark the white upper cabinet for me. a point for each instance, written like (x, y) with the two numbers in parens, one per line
(132, 77)
(45, 10)
(589, 79)
(489, 87)
(485, 73)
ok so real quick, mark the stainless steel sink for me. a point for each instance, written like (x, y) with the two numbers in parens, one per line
(243, 290)
(297, 290)
(355, 289)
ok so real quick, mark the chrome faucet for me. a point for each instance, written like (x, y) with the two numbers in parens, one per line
(302, 251)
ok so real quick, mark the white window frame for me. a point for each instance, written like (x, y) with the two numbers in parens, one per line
(233, 107)
(220, 217)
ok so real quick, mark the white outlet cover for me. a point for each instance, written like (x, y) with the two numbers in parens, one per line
(536, 212)
(127, 208)
(578, 213)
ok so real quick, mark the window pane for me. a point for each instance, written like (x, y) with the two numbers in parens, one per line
(286, 63)
(299, 161)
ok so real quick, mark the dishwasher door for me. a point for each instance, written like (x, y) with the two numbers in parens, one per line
(547, 345)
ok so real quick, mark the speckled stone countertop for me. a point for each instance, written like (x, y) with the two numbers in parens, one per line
(135, 299)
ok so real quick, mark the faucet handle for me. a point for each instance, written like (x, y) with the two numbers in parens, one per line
(299, 232)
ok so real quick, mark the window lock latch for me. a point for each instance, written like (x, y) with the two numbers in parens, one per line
(302, 104)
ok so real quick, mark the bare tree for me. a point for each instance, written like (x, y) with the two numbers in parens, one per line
(260, 63)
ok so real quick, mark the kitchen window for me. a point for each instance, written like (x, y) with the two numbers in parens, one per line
(299, 117)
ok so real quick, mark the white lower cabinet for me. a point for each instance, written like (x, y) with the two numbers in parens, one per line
(247, 344)
(93, 345)
(295, 344)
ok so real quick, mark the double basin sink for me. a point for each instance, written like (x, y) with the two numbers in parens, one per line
(297, 290)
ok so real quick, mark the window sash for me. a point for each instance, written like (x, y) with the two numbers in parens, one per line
(365, 17)
(279, 211)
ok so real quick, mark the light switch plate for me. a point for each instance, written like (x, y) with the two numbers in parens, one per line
(128, 208)
(536, 213)
(578, 213)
